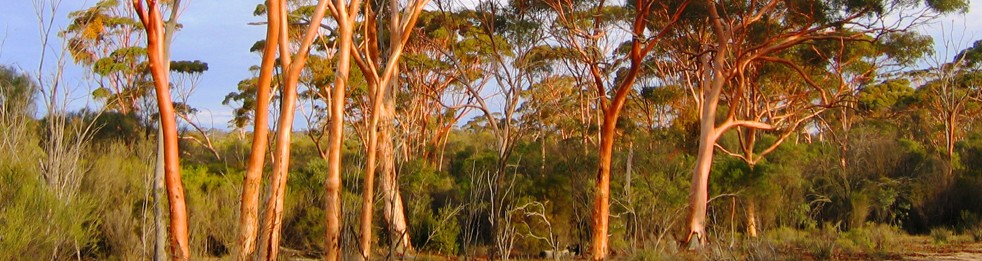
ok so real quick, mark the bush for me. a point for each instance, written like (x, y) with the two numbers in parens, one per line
(823, 247)
(875, 239)
(120, 178)
(210, 195)
(68, 226)
(941, 235)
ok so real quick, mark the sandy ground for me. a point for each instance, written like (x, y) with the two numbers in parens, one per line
(968, 251)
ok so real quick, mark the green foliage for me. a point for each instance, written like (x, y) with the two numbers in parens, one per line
(948, 6)
(211, 195)
(971, 55)
(69, 223)
(906, 47)
(122, 61)
(880, 172)
(119, 179)
(879, 99)
(67, 226)
(189, 67)
(431, 213)
(822, 244)
(304, 211)
(17, 92)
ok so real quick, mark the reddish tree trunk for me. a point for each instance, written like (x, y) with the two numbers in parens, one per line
(248, 218)
(601, 203)
(281, 164)
(160, 69)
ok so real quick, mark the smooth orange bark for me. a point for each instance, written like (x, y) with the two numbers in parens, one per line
(160, 70)
(274, 210)
(345, 16)
(248, 218)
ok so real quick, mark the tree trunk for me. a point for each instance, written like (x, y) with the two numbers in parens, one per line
(172, 170)
(629, 171)
(368, 192)
(160, 69)
(393, 212)
(601, 205)
(751, 219)
(713, 79)
(160, 244)
(281, 164)
(332, 184)
(251, 185)
(699, 193)
(951, 136)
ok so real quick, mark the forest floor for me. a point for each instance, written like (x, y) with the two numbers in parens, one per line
(953, 251)
(910, 247)
(924, 249)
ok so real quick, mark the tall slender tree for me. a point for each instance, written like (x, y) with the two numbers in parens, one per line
(379, 78)
(345, 15)
(249, 210)
(952, 95)
(157, 52)
(649, 24)
(105, 38)
(292, 66)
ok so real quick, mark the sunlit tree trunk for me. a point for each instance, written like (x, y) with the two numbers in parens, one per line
(640, 46)
(951, 127)
(751, 219)
(332, 184)
(281, 164)
(152, 20)
(601, 203)
(712, 85)
(160, 244)
(699, 193)
(249, 210)
(378, 84)
(393, 212)
(378, 93)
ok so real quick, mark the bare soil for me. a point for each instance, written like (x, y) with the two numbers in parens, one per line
(928, 250)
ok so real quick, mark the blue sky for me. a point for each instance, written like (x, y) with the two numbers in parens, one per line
(217, 32)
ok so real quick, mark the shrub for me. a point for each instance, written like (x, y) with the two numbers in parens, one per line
(211, 195)
(120, 178)
(68, 227)
(941, 235)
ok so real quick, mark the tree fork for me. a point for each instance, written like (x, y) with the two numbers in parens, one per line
(274, 210)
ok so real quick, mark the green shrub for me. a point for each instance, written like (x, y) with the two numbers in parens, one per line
(68, 227)
(976, 234)
(210, 195)
(941, 235)
(119, 178)
(823, 246)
